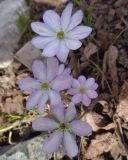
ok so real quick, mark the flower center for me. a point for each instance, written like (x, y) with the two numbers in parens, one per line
(82, 90)
(64, 126)
(44, 86)
(60, 35)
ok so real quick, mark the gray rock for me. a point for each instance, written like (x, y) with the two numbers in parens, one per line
(27, 54)
(29, 150)
(51, 2)
(9, 33)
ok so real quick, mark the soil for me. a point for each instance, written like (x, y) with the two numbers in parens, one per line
(104, 56)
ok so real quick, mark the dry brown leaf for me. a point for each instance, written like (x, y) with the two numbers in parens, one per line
(122, 107)
(112, 68)
(97, 122)
(89, 50)
(12, 107)
(101, 144)
(103, 38)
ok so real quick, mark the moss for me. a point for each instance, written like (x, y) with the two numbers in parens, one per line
(23, 24)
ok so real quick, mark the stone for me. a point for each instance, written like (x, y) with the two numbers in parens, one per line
(51, 2)
(29, 150)
(9, 32)
(27, 54)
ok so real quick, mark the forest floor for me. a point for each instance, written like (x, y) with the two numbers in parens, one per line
(104, 56)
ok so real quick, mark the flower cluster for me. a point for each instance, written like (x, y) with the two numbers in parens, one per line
(57, 36)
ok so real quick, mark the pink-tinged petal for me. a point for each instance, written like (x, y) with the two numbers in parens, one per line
(82, 80)
(92, 94)
(77, 98)
(33, 99)
(41, 103)
(76, 19)
(54, 97)
(63, 52)
(52, 68)
(86, 100)
(51, 48)
(80, 128)
(94, 86)
(75, 83)
(28, 84)
(89, 82)
(62, 82)
(70, 144)
(70, 112)
(58, 111)
(80, 32)
(52, 143)
(39, 70)
(44, 124)
(72, 91)
(72, 44)
(52, 19)
(67, 71)
(42, 29)
(41, 42)
(60, 69)
(66, 16)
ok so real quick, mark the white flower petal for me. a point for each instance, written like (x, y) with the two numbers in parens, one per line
(80, 128)
(51, 18)
(44, 124)
(70, 112)
(70, 145)
(33, 99)
(89, 82)
(39, 70)
(54, 97)
(42, 29)
(82, 80)
(52, 68)
(77, 98)
(58, 111)
(92, 94)
(52, 143)
(41, 103)
(66, 16)
(60, 69)
(51, 49)
(76, 19)
(62, 54)
(41, 42)
(80, 32)
(73, 44)
(28, 84)
(75, 83)
(86, 100)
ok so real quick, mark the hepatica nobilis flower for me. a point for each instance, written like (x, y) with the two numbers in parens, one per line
(83, 90)
(49, 79)
(60, 34)
(63, 128)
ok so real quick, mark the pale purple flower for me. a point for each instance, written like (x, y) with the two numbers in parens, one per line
(60, 34)
(83, 90)
(49, 79)
(64, 127)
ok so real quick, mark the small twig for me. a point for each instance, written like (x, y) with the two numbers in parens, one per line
(74, 60)
(118, 36)
(10, 138)
(10, 127)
